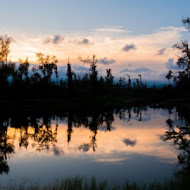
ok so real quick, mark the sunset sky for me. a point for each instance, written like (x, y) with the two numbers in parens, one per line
(127, 36)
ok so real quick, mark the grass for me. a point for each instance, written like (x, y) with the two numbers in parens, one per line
(81, 183)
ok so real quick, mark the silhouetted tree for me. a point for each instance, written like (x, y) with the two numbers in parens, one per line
(186, 23)
(23, 69)
(140, 78)
(182, 78)
(48, 65)
(93, 68)
(180, 137)
(36, 78)
(129, 82)
(4, 48)
(169, 76)
(6, 150)
(69, 130)
(122, 82)
(109, 78)
(69, 77)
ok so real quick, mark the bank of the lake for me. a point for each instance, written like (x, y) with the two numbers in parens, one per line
(83, 183)
(89, 102)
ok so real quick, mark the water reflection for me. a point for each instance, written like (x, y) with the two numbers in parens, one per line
(6, 150)
(179, 133)
(115, 137)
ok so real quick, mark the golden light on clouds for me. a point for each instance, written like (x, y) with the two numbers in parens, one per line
(104, 42)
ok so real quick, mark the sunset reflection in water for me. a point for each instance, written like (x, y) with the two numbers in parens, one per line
(101, 145)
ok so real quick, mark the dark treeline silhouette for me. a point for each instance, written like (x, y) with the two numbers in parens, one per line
(17, 82)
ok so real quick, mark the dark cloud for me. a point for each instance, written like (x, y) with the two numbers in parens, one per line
(84, 147)
(106, 61)
(85, 41)
(161, 51)
(56, 39)
(129, 142)
(138, 70)
(57, 151)
(129, 47)
(171, 65)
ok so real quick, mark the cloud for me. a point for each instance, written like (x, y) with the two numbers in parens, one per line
(129, 142)
(47, 40)
(106, 45)
(171, 65)
(163, 75)
(161, 51)
(106, 61)
(57, 151)
(111, 29)
(111, 160)
(85, 41)
(80, 68)
(138, 70)
(129, 47)
(84, 147)
(56, 39)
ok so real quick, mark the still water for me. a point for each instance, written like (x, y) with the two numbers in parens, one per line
(135, 143)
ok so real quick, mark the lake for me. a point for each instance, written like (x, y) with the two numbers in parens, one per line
(135, 143)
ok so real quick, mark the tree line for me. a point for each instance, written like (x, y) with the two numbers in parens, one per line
(16, 78)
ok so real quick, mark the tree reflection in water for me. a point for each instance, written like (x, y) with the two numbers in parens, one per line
(179, 133)
(6, 147)
(38, 130)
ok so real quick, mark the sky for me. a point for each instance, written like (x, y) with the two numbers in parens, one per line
(128, 36)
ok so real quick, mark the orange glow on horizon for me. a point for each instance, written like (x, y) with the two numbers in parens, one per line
(147, 143)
